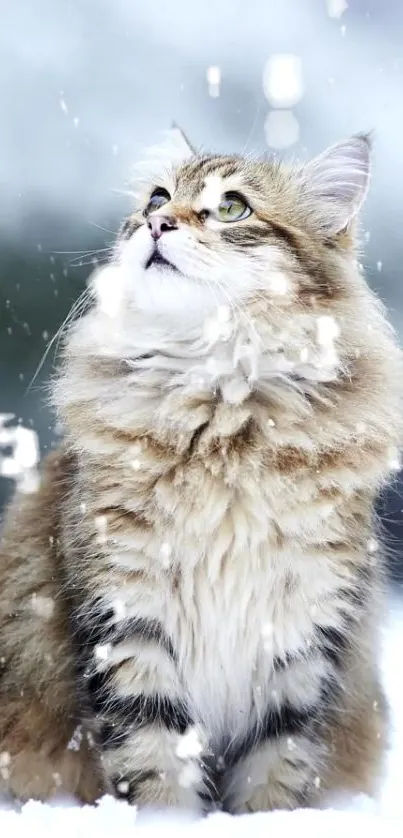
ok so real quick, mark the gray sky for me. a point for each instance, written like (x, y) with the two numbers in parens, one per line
(86, 85)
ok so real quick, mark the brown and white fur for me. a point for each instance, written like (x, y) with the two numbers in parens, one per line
(190, 604)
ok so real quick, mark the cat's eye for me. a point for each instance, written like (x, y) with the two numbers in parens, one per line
(158, 198)
(233, 207)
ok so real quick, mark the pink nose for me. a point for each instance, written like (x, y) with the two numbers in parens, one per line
(159, 224)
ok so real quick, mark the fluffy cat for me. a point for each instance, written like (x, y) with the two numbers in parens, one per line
(190, 604)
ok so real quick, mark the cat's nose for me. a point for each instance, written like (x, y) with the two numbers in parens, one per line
(159, 224)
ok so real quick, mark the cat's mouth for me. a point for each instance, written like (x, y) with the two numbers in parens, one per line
(156, 260)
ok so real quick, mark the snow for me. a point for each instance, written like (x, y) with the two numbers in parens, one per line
(341, 817)
(22, 464)
(335, 8)
(281, 129)
(213, 75)
(282, 80)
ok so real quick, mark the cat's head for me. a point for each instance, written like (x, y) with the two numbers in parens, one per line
(236, 276)
(221, 230)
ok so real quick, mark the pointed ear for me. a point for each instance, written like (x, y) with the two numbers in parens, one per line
(172, 150)
(183, 140)
(337, 182)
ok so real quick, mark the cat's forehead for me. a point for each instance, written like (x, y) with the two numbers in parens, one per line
(202, 176)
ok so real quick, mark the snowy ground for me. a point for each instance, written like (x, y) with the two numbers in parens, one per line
(344, 818)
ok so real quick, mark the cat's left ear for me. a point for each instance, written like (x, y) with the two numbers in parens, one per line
(337, 181)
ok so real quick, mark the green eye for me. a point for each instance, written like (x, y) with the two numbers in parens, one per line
(158, 198)
(233, 208)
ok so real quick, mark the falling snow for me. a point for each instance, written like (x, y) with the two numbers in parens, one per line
(213, 75)
(22, 464)
(281, 129)
(101, 523)
(395, 463)
(123, 787)
(189, 775)
(102, 651)
(119, 609)
(327, 330)
(282, 80)
(335, 8)
(5, 761)
(43, 606)
(63, 104)
(189, 744)
(76, 739)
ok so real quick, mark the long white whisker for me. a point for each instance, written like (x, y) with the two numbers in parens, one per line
(78, 305)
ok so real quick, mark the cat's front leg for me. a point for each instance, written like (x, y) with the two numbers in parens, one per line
(285, 773)
(148, 741)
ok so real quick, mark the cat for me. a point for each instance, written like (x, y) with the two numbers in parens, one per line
(191, 602)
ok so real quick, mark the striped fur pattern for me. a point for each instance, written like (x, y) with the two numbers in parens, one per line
(205, 539)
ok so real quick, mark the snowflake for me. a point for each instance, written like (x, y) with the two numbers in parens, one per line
(327, 330)
(189, 744)
(101, 523)
(43, 606)
(102, 651)
(281, 129)
(21, 464)
(372, 545)
(165, 549)
(394, 459)
(282, 80)
(213, 75)
(335, 8)
(119, 609)
(267, 630)
(278, 283)
(189, 775)
(76, 739)
(123, 787)
(63, 104)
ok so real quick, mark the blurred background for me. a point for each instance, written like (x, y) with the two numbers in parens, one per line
(86, 86)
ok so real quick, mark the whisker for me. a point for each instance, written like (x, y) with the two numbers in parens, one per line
(104, 229)
(77, 307)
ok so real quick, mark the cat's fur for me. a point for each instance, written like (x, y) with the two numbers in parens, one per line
(194, 593)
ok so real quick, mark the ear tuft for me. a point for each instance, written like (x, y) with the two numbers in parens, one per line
(337, 180)
(172, 150)
(182, 140)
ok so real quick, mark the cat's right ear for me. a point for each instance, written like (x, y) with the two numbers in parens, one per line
(173, 149)
(183, 141)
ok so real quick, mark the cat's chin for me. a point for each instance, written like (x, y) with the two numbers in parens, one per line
(163, 290)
